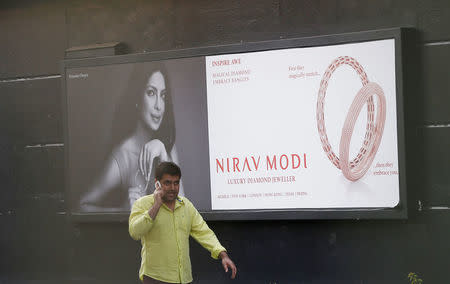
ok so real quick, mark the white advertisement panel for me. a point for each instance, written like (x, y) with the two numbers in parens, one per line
(312, 127)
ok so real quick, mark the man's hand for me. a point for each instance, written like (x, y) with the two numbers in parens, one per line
(228, 263)
(157, 195)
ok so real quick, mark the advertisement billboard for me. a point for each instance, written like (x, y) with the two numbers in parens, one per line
(292, 129)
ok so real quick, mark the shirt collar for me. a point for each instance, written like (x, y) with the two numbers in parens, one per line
(179, 201)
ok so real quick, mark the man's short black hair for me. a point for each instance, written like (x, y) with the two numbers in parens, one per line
(168, 168)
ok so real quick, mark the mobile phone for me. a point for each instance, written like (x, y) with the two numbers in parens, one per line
(157, 184)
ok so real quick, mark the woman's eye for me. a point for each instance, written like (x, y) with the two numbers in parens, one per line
(150, 93)
(163, 95)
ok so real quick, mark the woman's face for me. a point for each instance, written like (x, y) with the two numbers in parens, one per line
(154, 101)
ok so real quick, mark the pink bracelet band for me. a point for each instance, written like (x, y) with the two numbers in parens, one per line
(369, 149)
(369, 137)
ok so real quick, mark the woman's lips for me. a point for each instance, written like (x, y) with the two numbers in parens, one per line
(155, 118)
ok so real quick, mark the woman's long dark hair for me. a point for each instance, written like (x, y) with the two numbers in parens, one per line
(127, 115)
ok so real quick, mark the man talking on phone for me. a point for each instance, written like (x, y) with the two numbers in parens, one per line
(163, 221)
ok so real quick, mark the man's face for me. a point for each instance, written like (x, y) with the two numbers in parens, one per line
(170, 186)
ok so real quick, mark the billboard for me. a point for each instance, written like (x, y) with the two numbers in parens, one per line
(301, 128)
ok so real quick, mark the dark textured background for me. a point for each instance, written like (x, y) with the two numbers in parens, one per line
(38, 245)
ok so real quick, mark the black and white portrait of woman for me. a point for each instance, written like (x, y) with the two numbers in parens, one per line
(143, 134)
(123, 119)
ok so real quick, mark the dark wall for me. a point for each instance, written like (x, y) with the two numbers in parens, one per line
(38, 245)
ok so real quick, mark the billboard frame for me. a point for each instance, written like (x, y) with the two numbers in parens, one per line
(398, 212)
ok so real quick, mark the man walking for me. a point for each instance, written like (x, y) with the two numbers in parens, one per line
(163, 222)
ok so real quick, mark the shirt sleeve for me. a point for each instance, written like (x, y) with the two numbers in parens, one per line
(140, 221)
(204, 235)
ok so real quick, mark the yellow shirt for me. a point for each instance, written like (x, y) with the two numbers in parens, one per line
(165, 240)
